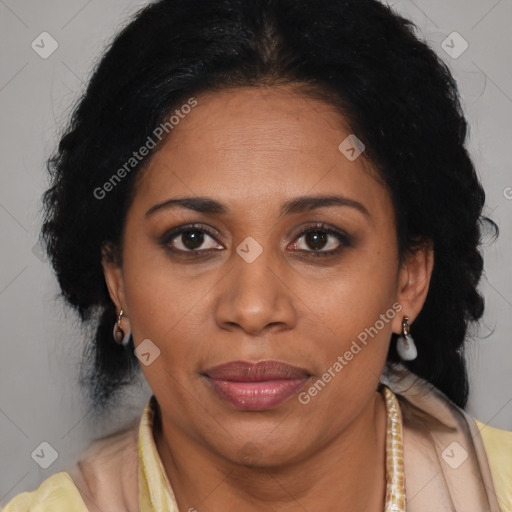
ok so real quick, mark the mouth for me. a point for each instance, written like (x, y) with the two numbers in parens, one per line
(256, 386)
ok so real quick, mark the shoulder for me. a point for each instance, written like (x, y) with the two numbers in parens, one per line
(105, 478)
(498, 447)
(57, 493)
(107, 473)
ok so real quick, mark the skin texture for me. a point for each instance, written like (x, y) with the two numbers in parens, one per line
(252, 150)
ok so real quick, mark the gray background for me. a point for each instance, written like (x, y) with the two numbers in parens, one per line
(40, 400)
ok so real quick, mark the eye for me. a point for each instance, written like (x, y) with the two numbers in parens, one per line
(320, 240)
(190, 239)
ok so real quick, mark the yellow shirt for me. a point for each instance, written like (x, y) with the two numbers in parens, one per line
(498, 447)
(58, 493)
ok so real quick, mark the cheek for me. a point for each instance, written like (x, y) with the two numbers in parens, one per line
(170, 308)
(158, 294)
(359, 307)
(365, 288)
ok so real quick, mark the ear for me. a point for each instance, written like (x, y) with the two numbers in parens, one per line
(114, 279)
(413, 283)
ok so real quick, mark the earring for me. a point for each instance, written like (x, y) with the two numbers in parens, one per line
(119, 335)
(405, 345)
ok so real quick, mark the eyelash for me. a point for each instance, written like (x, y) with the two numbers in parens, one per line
(342, 237)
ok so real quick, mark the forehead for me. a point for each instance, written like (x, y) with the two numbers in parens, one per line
(258, 144)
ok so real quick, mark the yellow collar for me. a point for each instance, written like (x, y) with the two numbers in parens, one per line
(155, 491)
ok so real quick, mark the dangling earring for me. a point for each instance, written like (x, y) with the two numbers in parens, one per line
(405, 345)
(119, 334)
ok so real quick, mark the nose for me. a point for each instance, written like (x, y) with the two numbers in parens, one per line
(255, 297)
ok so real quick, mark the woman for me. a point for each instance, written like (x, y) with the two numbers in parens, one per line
(267, 206)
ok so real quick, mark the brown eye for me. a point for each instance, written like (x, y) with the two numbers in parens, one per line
(321, 240)
(190, 239)
(316, 239)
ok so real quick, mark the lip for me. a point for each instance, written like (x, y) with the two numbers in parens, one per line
(256, 386)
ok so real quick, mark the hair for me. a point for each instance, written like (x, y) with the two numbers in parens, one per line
(361, 57)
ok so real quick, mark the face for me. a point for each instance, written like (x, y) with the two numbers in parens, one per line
(253, 274)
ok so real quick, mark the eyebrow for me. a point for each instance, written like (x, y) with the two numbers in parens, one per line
(296, 205)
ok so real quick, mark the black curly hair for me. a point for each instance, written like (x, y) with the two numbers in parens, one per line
(358, 55)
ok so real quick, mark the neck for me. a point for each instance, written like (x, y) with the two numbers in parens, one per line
(348, 473)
